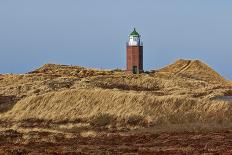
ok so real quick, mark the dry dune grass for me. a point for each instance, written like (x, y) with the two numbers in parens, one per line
(65, 70)
(180, 93)
(111, 107)
(194, 69)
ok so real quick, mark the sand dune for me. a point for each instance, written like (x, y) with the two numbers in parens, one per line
(180, 93)
(194, 69)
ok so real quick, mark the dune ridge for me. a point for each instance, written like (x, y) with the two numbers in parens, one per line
(180, 93)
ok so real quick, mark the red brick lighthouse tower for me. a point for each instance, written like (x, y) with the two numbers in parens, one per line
(134, 54)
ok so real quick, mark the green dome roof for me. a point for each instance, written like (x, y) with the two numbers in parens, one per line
(134, 33)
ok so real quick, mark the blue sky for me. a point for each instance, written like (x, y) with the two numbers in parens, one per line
(93, 33)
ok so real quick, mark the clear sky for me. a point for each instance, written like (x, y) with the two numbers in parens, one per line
(93, 33)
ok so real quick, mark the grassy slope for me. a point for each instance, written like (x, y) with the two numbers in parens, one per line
(87, 104)
(177, 94)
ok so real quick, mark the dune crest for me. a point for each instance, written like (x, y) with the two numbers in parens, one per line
(193, 69)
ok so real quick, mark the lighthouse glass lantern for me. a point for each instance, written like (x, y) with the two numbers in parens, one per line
(134, 39)
(134, 53)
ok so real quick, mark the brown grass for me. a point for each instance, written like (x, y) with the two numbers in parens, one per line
(104, 107)
(181, 93)
(193, 69)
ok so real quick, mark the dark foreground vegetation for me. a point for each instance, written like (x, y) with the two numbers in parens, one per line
(34, 142)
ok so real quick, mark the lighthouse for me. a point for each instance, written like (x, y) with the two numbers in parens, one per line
(134, 53)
